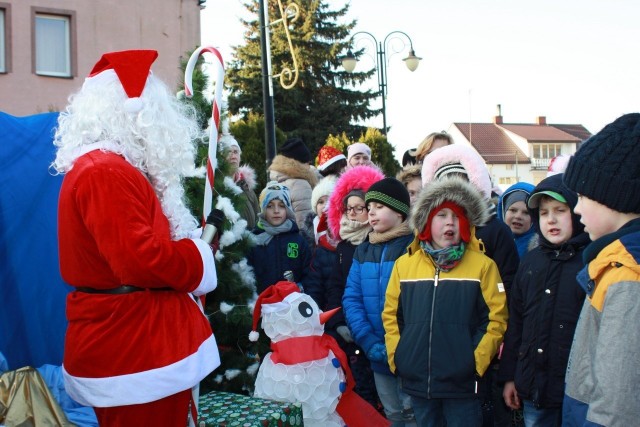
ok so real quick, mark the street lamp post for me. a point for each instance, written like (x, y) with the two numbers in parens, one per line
(349, 62)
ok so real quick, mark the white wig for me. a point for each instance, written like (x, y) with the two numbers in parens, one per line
(159, 140)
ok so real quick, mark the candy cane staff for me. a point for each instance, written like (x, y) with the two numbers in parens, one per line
(209, 230)
(211, 218)
(136, 342)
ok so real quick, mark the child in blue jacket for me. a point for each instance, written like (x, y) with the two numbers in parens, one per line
(388, 204)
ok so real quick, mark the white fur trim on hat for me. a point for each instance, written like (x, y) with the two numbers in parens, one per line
(330, 162)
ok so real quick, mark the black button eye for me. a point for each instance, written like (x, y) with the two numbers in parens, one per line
(305, 309)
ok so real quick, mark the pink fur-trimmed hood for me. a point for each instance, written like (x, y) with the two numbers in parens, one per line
(470, 160)
(357, 178)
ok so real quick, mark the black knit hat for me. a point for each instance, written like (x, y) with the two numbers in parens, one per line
(294, 148)
(391, 193)
(605, 168)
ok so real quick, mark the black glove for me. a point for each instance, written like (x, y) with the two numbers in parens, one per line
(216, 218)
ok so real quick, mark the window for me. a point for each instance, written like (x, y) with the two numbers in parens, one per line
(53, 42)
(508, 167)
(506, 180)
(5, 31)
(546, 151)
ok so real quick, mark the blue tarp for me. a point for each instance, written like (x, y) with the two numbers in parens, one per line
(32, 293)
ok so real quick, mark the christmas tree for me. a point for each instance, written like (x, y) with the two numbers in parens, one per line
(229, 307)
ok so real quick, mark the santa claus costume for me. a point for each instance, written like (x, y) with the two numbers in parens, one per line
(137, 340)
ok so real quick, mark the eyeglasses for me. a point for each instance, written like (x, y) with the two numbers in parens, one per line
(356, 209)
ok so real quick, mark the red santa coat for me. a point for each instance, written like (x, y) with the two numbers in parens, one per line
(142, 346)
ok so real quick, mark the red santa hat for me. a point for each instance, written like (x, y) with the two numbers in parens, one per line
(274, 298)
(130, 67)
(327, 156)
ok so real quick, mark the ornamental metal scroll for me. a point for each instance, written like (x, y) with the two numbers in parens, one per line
(290, 13)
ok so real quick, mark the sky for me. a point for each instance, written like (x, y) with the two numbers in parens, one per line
(573, 61)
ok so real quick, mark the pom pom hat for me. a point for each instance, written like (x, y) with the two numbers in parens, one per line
(327, 156)
(130, 67)
(605, 167)
(275, 298)
(272, 299)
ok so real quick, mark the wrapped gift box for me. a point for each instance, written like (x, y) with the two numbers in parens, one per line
(219, 409)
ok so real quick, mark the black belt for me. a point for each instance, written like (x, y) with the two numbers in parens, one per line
(124, 289)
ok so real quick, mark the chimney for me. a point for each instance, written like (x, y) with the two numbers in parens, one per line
(541, 120)
(497, 120)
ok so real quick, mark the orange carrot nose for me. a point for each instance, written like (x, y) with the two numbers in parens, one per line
(326, 315)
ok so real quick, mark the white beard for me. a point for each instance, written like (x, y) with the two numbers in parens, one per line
(159, 140)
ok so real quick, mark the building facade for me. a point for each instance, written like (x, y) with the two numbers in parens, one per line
(517, 152)
(47, 47)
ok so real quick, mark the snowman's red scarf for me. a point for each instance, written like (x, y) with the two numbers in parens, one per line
(354, 410)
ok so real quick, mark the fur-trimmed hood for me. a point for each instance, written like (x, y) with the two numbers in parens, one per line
(470, 160)
(283, 168)
(454, 190)
(246, 173)
(360, 178)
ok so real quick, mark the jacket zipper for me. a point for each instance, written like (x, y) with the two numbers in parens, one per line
(433, 305)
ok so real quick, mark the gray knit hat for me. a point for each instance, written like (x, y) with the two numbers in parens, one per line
(606, 167)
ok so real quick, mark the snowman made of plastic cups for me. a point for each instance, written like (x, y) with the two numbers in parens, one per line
(300, 367)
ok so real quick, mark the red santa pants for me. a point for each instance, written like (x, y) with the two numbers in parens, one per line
(170, 411)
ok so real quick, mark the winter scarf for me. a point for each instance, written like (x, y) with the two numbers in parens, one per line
(401, 229)
(354, 232)
(263, 239)
(446, 258)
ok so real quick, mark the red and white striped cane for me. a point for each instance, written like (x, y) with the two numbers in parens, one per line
(213, 129)
(209, 230)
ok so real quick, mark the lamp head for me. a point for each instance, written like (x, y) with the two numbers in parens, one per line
(349, 61)
(412, 60)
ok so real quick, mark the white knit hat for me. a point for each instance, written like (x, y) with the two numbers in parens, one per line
(358, 148)
(324, 188)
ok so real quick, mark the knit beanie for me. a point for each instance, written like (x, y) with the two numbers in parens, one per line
(294, 148)
(513, 197)
(391, 193)
(327, 156)
(275, 190)
(605, 167)
(463, 222)
(455, 168)
(358, 148)
(227, 141)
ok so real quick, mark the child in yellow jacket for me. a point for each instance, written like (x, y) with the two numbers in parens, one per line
(445, 311)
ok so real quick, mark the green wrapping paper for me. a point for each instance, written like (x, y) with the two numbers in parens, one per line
(218, 409)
